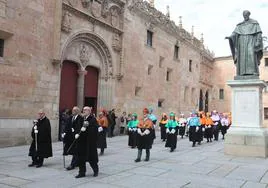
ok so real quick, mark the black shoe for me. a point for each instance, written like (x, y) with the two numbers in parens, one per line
(137, 160)
(101, 153)
(199, 143)
(193, 145)
(70, 167)
(146, 159)
(171, 150)
(80, 176)
(207, 141)
(95, 174)
(39, 165)
(31, 165)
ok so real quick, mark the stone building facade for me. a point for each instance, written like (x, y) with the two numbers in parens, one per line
(121, 54)
(224, 70)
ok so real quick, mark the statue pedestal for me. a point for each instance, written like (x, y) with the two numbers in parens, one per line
(247, 136)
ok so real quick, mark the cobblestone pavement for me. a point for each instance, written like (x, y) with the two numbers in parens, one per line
(202, 166)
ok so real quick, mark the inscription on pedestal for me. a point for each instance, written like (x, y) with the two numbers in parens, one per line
(245, 108)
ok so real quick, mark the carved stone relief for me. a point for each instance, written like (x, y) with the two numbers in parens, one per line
(85, 3)
(96, 8)
(3, 5)
(115, 18)
(73, 3)
(151, 26)
(66, 22)
(87, 46)
(84, 54)
(105, 8)
(116, 42)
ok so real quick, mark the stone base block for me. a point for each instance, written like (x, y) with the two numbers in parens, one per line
(251, 142)
(18, 131)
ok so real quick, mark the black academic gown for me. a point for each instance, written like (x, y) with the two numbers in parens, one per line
(44, 145)
(172, 138)
(69, 134)
(87, 142)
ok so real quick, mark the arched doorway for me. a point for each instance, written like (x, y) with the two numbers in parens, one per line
(68, 85)
(68, 91)
(95, 82)
(206, 101)
(91, 88)
(201, 105)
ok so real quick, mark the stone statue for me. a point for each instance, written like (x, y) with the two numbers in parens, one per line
(246, 47)
(66, 22)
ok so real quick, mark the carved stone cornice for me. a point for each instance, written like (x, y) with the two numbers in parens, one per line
(91, 18)
(162, 21)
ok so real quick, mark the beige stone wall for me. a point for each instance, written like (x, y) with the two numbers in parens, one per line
(223, 71)
(181, 93)
(264, 76)
(28, 78)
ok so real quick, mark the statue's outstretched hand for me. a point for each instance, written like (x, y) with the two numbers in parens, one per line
(227, 38)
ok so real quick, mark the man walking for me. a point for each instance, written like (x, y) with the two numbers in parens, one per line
(41, 146)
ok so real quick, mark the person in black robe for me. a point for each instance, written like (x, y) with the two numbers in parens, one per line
(162, 125)
(63, 121)
(182, 125)
(112, 122)
(75, 120)
(144, 136)
(103, 123)
(208, 128)
(172, 132)
(42, 131)
(132, 131)
(87, 137)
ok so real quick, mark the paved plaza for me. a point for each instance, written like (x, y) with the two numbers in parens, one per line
(202, 166)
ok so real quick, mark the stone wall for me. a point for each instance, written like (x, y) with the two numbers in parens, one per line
(28, 78)
(181, 92)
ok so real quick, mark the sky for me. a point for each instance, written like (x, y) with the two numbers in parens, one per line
(216, 19)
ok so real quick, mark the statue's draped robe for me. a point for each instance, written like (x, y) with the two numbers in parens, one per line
(246, 46)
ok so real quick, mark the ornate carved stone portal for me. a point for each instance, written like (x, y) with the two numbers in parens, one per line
(89, 49)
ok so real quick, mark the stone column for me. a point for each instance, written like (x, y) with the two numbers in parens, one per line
(80, 88)
(247, 135)
(57, 30)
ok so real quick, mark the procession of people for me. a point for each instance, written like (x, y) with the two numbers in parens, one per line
(83, 133)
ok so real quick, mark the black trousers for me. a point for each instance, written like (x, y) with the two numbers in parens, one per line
(82, 166)
(74, 162)
(216, 132)
(38, 160)
(111, 130)
(122, 130)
